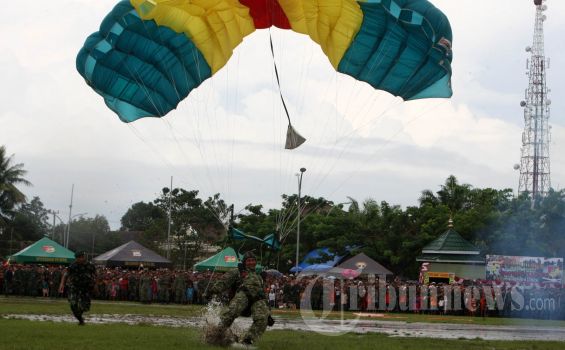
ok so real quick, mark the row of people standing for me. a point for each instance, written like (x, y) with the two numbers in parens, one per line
(145, 286)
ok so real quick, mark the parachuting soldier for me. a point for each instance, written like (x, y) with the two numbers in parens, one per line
(248, 300)
(80, 276)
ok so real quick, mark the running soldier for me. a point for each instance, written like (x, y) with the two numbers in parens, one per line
(80, 277)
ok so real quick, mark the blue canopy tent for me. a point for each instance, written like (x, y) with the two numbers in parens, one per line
(310, 263)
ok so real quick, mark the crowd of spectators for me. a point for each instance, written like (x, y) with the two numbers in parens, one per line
(362, 294)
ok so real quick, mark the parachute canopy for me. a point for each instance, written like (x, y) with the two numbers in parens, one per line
(150, 54)
(269, 240)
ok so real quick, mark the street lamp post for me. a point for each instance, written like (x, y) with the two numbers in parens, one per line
(302, 170)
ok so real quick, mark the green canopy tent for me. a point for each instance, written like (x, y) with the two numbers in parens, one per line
(44, 251)
(222, 261)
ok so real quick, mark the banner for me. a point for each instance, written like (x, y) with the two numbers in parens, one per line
(524, 269)
(442, 275)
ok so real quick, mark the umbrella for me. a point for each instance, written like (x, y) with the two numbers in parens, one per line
(273, 273)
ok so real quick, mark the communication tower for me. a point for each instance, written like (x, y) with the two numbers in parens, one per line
(534, 163)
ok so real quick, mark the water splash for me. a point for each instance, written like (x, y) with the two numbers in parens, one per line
(212, 332)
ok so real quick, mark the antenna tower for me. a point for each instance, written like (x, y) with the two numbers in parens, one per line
(534, 163)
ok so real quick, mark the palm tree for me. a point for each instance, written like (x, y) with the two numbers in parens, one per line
(453, 195)
(10, 176)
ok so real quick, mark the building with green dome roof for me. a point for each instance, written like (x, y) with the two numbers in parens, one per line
(451, 256)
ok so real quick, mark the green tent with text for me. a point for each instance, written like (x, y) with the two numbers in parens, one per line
(44, 251)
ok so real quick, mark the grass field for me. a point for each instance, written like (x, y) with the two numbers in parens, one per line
(18, 334)
(29, 335)
(40, 306)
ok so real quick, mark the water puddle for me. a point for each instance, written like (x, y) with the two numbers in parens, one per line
(392, 328)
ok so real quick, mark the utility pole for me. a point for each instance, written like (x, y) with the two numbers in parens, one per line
(11, 239)
(534, 163)
(53, 227)
(70, 218)
(169, 225)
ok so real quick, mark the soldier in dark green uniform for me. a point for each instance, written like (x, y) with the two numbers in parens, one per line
(80, 277)
(164, 285)
(133, 287)
(145, 294)
(249, 299)
(55, 282)
(179, 286)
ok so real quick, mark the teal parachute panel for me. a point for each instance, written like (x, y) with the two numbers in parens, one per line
(270, 240)
(403, 47)
(140, 68)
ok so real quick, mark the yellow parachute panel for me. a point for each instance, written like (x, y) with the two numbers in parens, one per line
(215, 26)
(332, 24)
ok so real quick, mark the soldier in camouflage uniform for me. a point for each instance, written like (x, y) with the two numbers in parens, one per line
(249, 299)
(55, 281)
(145, 294)
(164, 285)
(80, 277)
(179, 286)
(133, 287)
(19, 281)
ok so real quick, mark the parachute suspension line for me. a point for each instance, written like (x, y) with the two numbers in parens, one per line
(284, 158)
(232, 124)
(322, 154)
(369, 122)
(284, 227)
(293, 138)
(348, 144)
(145, 89)
(197, 138)
(356, 82)
(173, 81)
(140, 137)
(149, 97)
(358, 117)
(168, 71)
(354, 173)
(216, 265)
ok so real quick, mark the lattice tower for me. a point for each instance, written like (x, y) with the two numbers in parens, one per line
(534, 165)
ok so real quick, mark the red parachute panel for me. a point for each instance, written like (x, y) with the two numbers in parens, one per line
(266, 13)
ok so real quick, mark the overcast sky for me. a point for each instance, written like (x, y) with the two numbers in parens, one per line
(228, 136)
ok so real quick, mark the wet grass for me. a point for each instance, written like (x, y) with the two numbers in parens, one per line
(44, 306)
(41, 306)
(428, 318)
(29, 335)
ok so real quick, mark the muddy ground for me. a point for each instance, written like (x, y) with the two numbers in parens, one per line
(392, 328)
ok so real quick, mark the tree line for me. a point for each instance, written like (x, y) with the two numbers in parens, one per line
(496, 221)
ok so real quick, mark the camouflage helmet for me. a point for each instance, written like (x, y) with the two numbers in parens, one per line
(248, 255)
